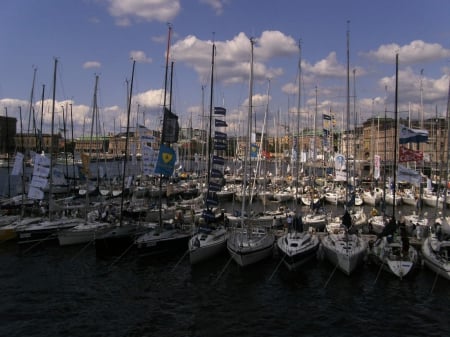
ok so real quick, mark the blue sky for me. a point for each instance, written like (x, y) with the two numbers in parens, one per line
(101, 37)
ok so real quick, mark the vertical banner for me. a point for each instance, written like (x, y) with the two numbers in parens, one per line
(376, 166)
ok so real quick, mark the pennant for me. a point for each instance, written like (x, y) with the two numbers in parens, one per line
(220, 135)
(214, 187)
(406, 155)
(215, 173)
(212, 199)
(218, 160)
(218, 123)
(170, 128)
(408, 135)
(220, 111)
(166, 161)
(220, 146)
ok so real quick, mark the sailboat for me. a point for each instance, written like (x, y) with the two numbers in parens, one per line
(436, 247)
(48, 228)
(249, 244)
(343, 249)
(170, 236)
(211, 237)
(297, 246)
(391, 251)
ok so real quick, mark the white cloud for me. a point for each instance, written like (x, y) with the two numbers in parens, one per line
(147, 10)
(139, 56)
(91, 64)
(217, 5)
(416, 51)
(232, 59)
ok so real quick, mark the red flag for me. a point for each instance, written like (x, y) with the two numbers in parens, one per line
(406, 155)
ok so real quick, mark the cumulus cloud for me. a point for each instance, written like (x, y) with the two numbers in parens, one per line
(91, 64)
(415, 52)
(232, 60)
(140, 56)
(216, 5)
(148, 10)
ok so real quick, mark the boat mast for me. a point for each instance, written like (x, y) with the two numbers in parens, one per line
(130, 94)
(297, 143)
(348, 111)
(211, 100)
(50, 191)
(249, 129)
(395, 135)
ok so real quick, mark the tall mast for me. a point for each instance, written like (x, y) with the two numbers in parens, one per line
(50, 191)
(249, 130)
(298, 116)
(347, 109)
(211, 100)
(395, 136)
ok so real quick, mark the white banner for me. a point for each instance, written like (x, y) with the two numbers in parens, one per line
(406, 174)
(38, 182)
(35, 193)
(339, 162)
(18, 163)
(41, 171)
(376, 167)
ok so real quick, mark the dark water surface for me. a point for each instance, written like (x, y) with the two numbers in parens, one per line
(68, 291)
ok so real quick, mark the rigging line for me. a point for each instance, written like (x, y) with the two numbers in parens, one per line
(37, 243)
(332, 273)
(434, 282)
(122, 255)
(379, 271)
(223, 270)
(82, 250)
(276, 268)
(179, 261)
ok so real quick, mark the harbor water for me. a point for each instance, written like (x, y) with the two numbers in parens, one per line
(70, 291)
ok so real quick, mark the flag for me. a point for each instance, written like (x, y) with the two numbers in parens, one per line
(166, 161)
(220, 123)
(85, 160)
(220, 135)
(339, 162)
(212, 199)
(406, 155)
(253, 151)
(170, 128)
(220, 146)
(266, 154)
(214, 187)
(218, 160)
(408, 135)
(215, 173)
(327, 117)
(406, 174)
(220, 111)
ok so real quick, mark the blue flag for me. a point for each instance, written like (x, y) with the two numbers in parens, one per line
(408, 135)
(220, 123)
(166, 161)
(254, 151)
(220, 111)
